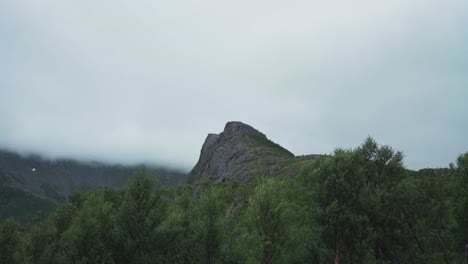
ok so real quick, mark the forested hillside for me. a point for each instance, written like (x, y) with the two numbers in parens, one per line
(355, 206)
(32, 184)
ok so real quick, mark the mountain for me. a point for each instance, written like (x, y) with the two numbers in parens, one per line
(241, 152)
(32, 184)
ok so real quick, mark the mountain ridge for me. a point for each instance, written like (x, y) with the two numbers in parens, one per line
(40, 184)
(241, 152)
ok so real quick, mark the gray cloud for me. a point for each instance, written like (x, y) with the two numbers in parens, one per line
(144, 81)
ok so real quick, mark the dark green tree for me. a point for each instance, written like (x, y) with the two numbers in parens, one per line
(269, 219)
(461, 211)
(10, 242)
(338, 184)
(90, 236)
(208, 223)
(142, 211)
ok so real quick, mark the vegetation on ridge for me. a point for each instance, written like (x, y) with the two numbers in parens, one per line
(264, 141)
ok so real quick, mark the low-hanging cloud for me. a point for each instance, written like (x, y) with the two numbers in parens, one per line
(145, 81)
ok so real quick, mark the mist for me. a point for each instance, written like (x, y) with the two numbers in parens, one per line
(145, 81)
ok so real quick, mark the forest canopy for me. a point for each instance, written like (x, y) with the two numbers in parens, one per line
(357, 205)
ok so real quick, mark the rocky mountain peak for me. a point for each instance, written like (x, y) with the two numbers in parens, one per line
(238, 153)
(236, 128)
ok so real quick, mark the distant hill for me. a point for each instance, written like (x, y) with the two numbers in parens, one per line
(32, 184)
(241, 152)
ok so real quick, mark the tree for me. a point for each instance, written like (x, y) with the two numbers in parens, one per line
(10, 242)
(338, 181)
(462, 206)
(383, 169)
(354, 191)
(179, 224)
(89, 238)
(208, 223)
(141, 213)
(268, 218)
(39, 243)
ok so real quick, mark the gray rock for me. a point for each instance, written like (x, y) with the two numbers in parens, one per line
(240, 152)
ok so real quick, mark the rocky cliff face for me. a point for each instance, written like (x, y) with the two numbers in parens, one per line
(241, 152)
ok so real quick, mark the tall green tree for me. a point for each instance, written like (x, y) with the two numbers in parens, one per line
(40, 242)
(180, 220)
(338, 181)
(10, 242)
(462, 206)
(142, 211)
(383, 169)
(209, 222)
(89, 239)
(268, 218)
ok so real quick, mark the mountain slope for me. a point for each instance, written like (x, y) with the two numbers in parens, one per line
(241, 152)
(32, 184)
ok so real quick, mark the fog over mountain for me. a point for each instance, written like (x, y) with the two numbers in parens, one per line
(145, 81)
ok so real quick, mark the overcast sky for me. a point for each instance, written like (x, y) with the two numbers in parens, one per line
(145, 81)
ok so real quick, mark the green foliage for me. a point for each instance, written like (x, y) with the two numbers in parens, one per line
(10, 250)
(461, 205)
(338, 183)
(268, 219)
(41, 242)
(89, 237)
(208, 223)
(23, 205)
(142, 211)
(356, 206)
(51, 192)
(261, 140)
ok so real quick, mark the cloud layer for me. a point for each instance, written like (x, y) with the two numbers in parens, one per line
(145, 81)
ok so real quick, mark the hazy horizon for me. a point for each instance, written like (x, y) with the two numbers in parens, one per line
(145, 82)
(92, 158)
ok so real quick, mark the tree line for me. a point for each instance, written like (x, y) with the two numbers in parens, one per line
(356, 206)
